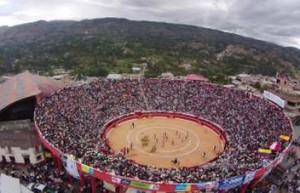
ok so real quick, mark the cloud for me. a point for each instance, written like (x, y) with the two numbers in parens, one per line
(271, 20)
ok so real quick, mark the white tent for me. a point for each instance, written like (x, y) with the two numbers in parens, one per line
(9, 184)
(115, 76)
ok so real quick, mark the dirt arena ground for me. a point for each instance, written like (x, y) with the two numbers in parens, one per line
(167, 139)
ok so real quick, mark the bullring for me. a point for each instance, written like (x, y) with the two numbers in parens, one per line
(72, 119)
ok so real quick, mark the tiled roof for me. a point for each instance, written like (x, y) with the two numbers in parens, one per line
(25, 85)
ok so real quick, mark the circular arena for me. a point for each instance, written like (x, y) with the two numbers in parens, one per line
(144, 131)
(165, 140)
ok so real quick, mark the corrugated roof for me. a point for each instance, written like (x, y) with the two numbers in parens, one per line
(25, 85)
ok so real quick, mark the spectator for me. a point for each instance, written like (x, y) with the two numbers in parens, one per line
(72, 120)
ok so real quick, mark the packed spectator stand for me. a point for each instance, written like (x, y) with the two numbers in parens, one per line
(72, 120)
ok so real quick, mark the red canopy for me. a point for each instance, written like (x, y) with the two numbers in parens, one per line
(26, 85)
(196, 77)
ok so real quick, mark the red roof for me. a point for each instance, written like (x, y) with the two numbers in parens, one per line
(26, 85)
(196, 77)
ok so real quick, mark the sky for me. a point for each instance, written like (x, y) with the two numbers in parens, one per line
(277, 21)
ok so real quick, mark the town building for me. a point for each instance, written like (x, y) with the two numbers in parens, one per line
(280, 86)
(167, 75)
(286, 90)
(18, 96)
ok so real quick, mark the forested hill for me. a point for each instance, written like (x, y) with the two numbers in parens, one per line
(99, 46)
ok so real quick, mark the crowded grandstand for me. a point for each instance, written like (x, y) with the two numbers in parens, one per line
(73, 118)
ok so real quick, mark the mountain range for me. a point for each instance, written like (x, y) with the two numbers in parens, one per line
(100, 46)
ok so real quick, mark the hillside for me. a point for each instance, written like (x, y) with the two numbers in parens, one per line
(99, 46)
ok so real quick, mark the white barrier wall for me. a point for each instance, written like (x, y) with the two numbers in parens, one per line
(274, 98)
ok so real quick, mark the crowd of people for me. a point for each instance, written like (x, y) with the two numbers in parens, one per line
(284, 178)
(72, 119)
(290, 176)
(292, 184)
(44, 173)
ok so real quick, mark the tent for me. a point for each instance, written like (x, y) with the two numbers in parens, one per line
(9, 184)
(196, 77)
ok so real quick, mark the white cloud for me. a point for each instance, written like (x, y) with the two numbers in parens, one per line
(3, 2)
(5, 20)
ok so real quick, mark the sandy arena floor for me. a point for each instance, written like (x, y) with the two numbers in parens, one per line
(172, 138)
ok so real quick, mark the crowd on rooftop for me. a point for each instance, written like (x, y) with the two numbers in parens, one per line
(71, 120)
